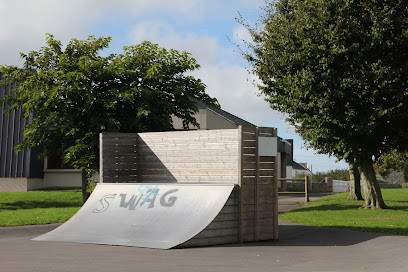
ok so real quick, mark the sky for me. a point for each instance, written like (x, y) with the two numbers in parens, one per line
(207, 29)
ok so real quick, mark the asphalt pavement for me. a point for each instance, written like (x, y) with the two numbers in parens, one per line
(300, 248)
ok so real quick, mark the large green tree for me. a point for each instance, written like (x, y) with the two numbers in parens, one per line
(75, 93)
(339, 69)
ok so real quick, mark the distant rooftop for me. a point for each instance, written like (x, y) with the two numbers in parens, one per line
(234, 119)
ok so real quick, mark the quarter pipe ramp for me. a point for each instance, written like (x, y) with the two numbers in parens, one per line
(155, 215)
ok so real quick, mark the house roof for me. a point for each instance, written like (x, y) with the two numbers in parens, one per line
(232, 118)
(297, 166)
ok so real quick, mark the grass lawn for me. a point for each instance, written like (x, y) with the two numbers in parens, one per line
(38, 207)
(338, 212)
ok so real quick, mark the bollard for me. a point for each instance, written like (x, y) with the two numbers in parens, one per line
(306, 189)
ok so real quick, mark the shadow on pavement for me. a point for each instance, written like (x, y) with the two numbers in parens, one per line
(291, 234)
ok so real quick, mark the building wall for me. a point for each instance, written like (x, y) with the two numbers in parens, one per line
(207, 119)
(12, 164)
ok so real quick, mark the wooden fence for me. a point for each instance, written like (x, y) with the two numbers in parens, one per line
(215, 156)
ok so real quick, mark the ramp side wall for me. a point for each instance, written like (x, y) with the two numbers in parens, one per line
(224, 229)
(118, 157)
(258, 198)
(189, 156)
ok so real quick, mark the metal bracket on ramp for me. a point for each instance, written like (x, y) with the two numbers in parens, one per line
(154, 215)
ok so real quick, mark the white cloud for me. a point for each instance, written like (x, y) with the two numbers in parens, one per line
(235, 89)
(25, 22)
(241, 34)
(204, 49)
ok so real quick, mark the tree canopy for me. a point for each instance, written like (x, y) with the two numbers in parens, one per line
(338, 68)
(75, 92)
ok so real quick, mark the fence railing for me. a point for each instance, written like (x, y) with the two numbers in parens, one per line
(305, 180)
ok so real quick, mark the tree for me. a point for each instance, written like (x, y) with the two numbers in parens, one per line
(355, 184)
(75, 94)
(393, 160)
(338, 68)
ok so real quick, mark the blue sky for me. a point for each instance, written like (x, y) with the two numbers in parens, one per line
(205, 28)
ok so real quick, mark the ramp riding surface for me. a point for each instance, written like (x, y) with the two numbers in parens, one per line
(155, 215)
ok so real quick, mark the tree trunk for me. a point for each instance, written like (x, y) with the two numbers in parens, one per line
(85, 193)
(372, 191)
(355, 185)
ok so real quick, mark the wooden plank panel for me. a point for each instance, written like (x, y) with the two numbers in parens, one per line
(226, 217)
(248, 129)
(268, 222)
(249, 143)
(249, 150)
(232, 224)
(190, 165)
(210, 241)
(248, 224)
(248, 165)
(268, 131)
(248, 158)
(248, 216)
(232, 201)
(249, 237)
(180, 159)
(266, 165)
(267, 159)
(266, 229)
(189, 172)
(266, 180)
(248, 181)
(207, 233)
(266, 214)
(119, 179)
(248, 136)
(119, 172)
(248, 208)
(249, 172)
(265, 207)
(266, 235)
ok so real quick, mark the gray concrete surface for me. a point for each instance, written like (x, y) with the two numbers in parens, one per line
(300, 248)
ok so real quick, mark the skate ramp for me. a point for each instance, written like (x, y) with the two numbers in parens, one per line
(154, 215)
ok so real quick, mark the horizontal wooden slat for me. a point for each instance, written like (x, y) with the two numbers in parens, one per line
(266, 214)
(210, 241)
(247, 136)
(248, 172)
(249, 150)
(265, 207)
(226, 217)
(268, 222)
(248, 158)
(248, 215)
(123, 172)
(249, 129)
(206, 233)
(267, 159)
(223, 225)
(266, 235)
(188, 172)
(190, 165)
(266, 180)
(266, 165)
(266, 130)
(265, 172)
(248, 208)
(110, 179)
(249, 143)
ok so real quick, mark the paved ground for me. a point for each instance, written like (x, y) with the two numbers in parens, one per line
(301, 248)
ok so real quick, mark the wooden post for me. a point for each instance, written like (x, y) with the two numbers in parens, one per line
(256, 201)
(240, 184)
(306, 189)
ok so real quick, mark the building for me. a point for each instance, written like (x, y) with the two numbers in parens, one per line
(293, 168)
(25, 171)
